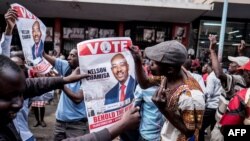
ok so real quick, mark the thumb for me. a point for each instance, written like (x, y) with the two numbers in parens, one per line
(85, 75)
(134, 110)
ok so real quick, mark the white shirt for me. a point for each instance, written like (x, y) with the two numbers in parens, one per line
(5, 45)
(213, 91)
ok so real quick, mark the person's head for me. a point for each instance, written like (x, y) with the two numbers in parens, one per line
(206, 68)
(166, 58)
(73, 59)
(188, 64)
(18, 61)
(236, 62)
(120, 68)
(12, 85)
(36, 32)
(245, 73)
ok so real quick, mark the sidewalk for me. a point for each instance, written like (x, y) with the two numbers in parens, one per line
(44, 133)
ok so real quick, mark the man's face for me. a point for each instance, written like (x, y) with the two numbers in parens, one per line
(12, 85)
(120, 68)
(73, 59)
(36, 33)
(232, 68)
(204, 69)
(155, 68)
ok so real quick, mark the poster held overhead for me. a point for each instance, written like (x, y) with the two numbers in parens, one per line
(32, 33)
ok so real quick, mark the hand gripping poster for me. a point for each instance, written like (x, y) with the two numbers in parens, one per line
(32, 33)
(109, 91)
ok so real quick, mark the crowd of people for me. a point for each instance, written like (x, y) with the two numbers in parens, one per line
(173, 101)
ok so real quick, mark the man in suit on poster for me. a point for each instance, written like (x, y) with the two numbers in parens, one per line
(125, 87)
(38, 47)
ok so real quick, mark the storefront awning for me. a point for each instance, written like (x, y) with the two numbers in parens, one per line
(114, 10)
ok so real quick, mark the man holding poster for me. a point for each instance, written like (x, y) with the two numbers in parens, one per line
(124, 89)
(37, 48)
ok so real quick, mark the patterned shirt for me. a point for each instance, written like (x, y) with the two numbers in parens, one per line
(188, 101)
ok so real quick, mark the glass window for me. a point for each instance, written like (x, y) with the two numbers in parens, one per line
(234, 33)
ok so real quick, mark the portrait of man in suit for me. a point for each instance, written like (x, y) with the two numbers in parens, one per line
(37, 48)
(124, 89)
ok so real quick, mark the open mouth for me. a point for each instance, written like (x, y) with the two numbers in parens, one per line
(120, 75)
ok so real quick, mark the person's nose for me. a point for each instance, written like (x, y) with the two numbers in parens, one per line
(119, 68)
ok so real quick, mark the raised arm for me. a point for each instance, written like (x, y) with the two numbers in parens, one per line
(49, 58)
(10, 18)
(39, 86)
(215, 62)
(241, 48)
(141, 77)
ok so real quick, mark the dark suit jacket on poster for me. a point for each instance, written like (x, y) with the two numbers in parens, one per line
(113, 95)
(40, 51)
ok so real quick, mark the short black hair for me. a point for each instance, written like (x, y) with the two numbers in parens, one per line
(6, 62)
(188, 64)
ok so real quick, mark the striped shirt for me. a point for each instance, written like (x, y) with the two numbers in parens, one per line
(233, 84)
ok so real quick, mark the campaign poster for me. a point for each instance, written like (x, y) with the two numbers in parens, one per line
(109, 91)
(32, 33)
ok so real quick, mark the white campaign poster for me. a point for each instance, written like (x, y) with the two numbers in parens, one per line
(32, 33)
(109, 91)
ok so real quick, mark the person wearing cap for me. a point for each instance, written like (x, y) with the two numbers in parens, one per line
(235, 63)
(237, 111)
(179, 97)
(231, 83)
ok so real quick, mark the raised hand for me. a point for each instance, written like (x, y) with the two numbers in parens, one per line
(213, 41)
(135, 51)
(159, 98)
(241, 48)
(131, 118)
(10, 18)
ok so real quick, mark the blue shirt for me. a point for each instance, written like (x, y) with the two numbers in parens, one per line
(151, 118)
(21, 121)
(67, 110)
